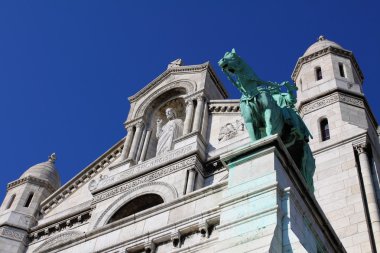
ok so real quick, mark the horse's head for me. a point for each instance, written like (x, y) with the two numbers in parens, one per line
(231, 62)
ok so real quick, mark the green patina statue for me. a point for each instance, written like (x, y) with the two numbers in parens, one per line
(267, 109)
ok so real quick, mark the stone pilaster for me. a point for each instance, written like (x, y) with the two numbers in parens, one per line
(190, 180)
(205, 120)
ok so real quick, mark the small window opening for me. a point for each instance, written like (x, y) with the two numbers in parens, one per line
(30, 197)
(10, 202)
(325, 131)
(341, 70)
(318, 73)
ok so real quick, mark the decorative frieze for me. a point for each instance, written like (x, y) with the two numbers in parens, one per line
(12, 234)
(191, 161)
(140, 168)
(33, 180)
(331, 99)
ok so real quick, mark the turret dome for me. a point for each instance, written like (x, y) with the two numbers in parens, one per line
(322, 43)
(45, 171)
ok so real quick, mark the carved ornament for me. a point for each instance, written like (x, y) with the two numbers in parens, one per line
(331, 99)
(223, 106)
(12, 234)
(231, 130)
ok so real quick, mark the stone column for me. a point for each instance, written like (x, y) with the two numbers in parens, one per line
(140, 146)
(189, 116)
(145, 147)
(370, 193)
(127, 143)
(198, 114)
(136, 140)
(190, 181)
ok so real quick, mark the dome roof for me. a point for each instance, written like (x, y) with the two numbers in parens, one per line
(46, 171)
(321, 44)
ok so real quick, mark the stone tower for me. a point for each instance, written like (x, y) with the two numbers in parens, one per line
(345, 145)
(20, 209)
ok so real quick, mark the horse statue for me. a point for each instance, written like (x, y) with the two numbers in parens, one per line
(267, 110)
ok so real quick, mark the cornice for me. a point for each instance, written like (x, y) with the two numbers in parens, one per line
(224, 106)
(32, 180)
(39, 233)
(329, 99)
(217, 81)
(82, 177)
(325, 51)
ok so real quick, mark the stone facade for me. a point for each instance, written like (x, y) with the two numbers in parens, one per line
(213, 190)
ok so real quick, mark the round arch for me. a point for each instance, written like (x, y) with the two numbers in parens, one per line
(184, 87)
(165, 191)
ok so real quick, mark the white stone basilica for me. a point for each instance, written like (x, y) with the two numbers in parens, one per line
(186, 178)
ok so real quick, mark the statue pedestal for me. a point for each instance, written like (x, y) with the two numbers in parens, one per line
(267, 207)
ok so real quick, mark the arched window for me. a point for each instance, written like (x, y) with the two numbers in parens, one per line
(30, 197)
(341, 70)
(318, 73)
(10, 202)
(137, 205)
(325, 131)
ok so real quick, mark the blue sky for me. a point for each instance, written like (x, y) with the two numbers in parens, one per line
(68, 67)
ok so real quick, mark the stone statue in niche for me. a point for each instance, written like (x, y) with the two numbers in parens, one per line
(230, 130)
(169, 132)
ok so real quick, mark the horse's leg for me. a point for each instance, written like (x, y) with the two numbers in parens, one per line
(276, 117)
(268, 121)
(268, 106)
(246, 112)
